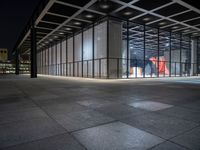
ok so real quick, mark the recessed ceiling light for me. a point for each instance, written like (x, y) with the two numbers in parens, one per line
(77, 23)
(68, 29)
(162, 23)
(89, 16)
(186, 30)
(146, 19)
(127, 13)
(61, 33)
(175, 27)
(104, 6)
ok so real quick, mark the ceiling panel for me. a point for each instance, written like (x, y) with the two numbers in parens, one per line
(62, 9)
(76, 2)
(186, 16)
(171, 9)
(151, 4)
(146, 18)
(194, 22)
(47, 25)
(162, 23)
(53, 18)
(105, 6)
(128, 13)
(85, 15)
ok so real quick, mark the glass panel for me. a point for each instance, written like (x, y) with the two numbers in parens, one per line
(198, 56)
(175, 55)
(70, 56)
(164, 51)
(87, 53)
(100, 50)
(151, 52)
(78, 55)
(185, 56)
(115, 48)
(123, 61)
(63, 65)
(136, 50)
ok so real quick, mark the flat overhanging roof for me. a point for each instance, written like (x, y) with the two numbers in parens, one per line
(54, 19)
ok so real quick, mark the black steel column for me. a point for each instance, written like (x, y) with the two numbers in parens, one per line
(52, 66)
(82, 52)
(197, 53)
(108, 49)
(73, 55)
(144, 57)
(17, 62)
(42, 60)
(170, 53)
(189, 61)
(48, 64)
(61, 73)
(127, 49)
(180, 55)
(56, 58)
(93, 69)
(158, 60)
(66, 56)
(33, 52)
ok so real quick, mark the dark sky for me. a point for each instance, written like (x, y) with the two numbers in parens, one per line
(14, 15)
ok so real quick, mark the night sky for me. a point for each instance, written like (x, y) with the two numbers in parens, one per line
(14, 15)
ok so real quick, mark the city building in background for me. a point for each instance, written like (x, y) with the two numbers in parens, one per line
(3, 54)
(113, 39)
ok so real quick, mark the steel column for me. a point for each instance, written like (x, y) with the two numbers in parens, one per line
(108, 49)
(158, 60)
(17, 62)
(127, 49)
(170, 53)
(33, 52)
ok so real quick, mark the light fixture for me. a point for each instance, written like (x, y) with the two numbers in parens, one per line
(162, 23)
(46, 42)
(68, 29)
(61, 33)
(195, 33)
(127, 13)
(104, 6)
(89, 16)
(175, 27)
(50, 39)
(55, 36)
(77, 23)
(146, 19)
(186, 30)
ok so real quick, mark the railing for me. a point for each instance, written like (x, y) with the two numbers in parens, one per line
(117, 68)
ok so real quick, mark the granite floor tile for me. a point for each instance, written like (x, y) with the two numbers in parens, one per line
(189, 139)
(28, 130)
(58, 142)
(160, 125)
(116, 136)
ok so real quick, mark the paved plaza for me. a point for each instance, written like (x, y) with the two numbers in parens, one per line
(58, 113)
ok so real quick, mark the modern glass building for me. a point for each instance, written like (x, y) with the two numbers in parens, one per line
(113, 38)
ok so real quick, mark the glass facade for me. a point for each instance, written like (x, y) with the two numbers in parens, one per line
(115, 48)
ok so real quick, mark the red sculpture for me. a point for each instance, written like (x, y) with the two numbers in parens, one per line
(161, 65)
